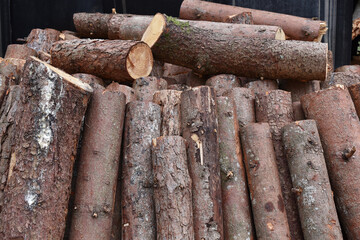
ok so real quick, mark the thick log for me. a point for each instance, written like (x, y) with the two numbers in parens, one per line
(298, 111)
(12, 69)
(145, 87)
(235, 196)
(341, 78)
(299, 89)
(275, 108)
(208, 53)
(128, 91)
(223, 83)
(339, 128)
(38, 187)
(117, 60)
(19, 51)
(142, 124)
(261, 86)
(349, 69)
(169, 101)
(172, 189)
(311, 183)
(42, 39)
(92, 25)
(89, 79)
(199, 128)
(296, 28)
(263, 181)
(241, 18)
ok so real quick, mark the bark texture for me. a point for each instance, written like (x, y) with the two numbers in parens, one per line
(92, 25)
(12, 69)
(142, 124)
(339, 128)
(264, 183)
(341, 78)
(349, 69)
(145, 87)
(307, 165)
(89, 79)
(241, 18)
(299, 89)
(172, 189)
(223, 83)
(38, 187)
(128, 91)
(235, 196)
(42, 39)
(199, 128)
(4, 85)
(261, 86)
(179, 87)
(298, 111)
(19, 51)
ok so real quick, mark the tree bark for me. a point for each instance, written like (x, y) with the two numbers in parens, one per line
(209, 53)
(19, 51)
(142, 124)
(179, 87)
(339, 128)
(310, 179)
(223, 83)
(12, 69)
(68, 35)
(241, 18)
(298, 111)
(128, 91)
(92, 25)
(199, 128)
(262, 86)
(264, 183)
(117, 60)
(42, 39)
(341, 78)
(235, 196)
(145, 87)
(89, 79)
(38, 187)
(299, 89)
(349, 69)
(296, 28)
(4, 85)
(172, 189)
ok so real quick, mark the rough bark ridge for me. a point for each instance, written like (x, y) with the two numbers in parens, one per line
(299, 89)
(310, 179)
(145, 87)
(38, 188)
(19, 51)
(142, 124)
(341, 78)
(223, 83)
(172, 189)
(92, 25)
(261, 86)
(263, 181)
(42, 39)
(199, 128)
(235, 196)
(339, 128)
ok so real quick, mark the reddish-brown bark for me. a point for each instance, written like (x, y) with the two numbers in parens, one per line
(68, 35)
(12, 69)
(128, 91)
(145, 87)
(261, 86)
(19, 51)
(42, 39)
(89, 79)
(179, 87)
(341, 78)
(349, 69)
(299, 89)
(92, 25)
(223, 83)
(298, 111)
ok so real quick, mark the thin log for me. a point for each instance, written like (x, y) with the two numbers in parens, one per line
(223, 83)
(145, 87)
(341, 78)
(261, 86)
(92, 25)
(128, 91)
(298, 111)
(299, 89)
(42, 39)
(19, 51)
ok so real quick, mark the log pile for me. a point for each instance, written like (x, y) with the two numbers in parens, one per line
(213, 128)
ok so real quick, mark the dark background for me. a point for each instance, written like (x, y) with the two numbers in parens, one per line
(18, 17)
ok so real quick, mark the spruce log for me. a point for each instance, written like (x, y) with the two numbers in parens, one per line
(341, 78)
(298, 111)
(145, 87)
(339, 128)
(142, 124)
(89, 79)
(261, 86)
(310, 179)
(169, 101)
(349, 69)
(172, 189)
(92, 25)
(128, 91)
(235, 196)
(263, 181)
(19, 51)
(299, 89)
(42, 39)
(208, 53)
(38, 187)
(199, 128)
(223, 83)
(275, 108)
(117, 60)
(296, 28)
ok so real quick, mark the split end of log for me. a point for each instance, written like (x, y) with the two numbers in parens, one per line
(154, 30)
(322, 31)
(139, 62)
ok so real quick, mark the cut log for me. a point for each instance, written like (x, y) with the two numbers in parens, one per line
(92, 25)
(128, 91)
(12, 69)
(208, 53)
(349, 69)
(145, 87)
(339, 128)
(117, 60)
(199, 128)
(42, 39)
(261, 86)
(169, 101)
(298, 111)
(299, 89)
(241, 18)
(264, 184)
(275, 108)
(341, 78)
(172, 189)
(142, 124)
(38, 187)
(310, 179)
(223, 83)
(89, 79)
(235, 196)
(19, 51)
(296, 28)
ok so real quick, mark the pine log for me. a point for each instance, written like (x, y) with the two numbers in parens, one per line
(208, 53)
(12, 69)
(172, 189)
(42, 39)
(296, 28)
(298, 111)
(349, 69)
(223, 83)
(263, 181)
(117, 60)
(145, 87)
(241, 18)
(261, 86)
(128, 91)
(341, 78)
(235, 196)
(311, 183)
(169, 101)
(38, 187)
(275, 108)
(19, 51)
(199, 128)
(142, 124)
(92, 25)
(89, 79)
(299, 89)
(339, 128)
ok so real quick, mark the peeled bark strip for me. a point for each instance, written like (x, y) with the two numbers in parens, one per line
(92, 25)
(169, 101)
(341, 78)
(298, 111)
(172, 189)
(117, 60)
(264, 184)
(142, 124)
(275, 108)
(199, 128)
(19, 51)
(307, 165)
(42, 39)
(145, 87)
(349, 69)
(261, 86)
(128, 91)
(89, 79)
(235, 196)
(223, 83)
(299, 89)
(241, 18)
(38, 187)
(12, 69)
(297, 28)
(208, 53)
(339, 128)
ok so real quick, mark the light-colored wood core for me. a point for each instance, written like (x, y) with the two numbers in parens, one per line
(280, 35)
(154, 30)
(139, 61)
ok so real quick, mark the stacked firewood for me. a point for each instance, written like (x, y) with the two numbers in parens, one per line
(208, 141)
